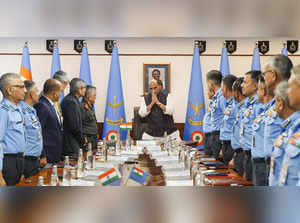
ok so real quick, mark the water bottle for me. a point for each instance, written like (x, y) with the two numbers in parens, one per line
(128, 141)
(118, 144)
(41, 181)
(89, 157)
(80, 164)
(66, 171)
(54, 176)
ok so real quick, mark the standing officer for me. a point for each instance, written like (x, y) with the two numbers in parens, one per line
(228, 120)
(89, 121)
(33, 129)
(249, 89)
(12, 131)
(289, 174)
(260, 172)
(238, 107)
(290, 116)
(214, 80)
(277, 69)
(207, 126)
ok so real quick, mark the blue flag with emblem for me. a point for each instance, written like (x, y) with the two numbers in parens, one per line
(114, 111)
(85, 71)
(193, 129)
(55, 66)
(256, 60)
(224, 65)
(284, 51)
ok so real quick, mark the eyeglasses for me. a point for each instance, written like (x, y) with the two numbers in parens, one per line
(153, 88)
(19, 86)
(268, 71)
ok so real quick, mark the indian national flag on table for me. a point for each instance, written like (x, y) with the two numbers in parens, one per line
(112, 177)
(140, 176)
(126, 126)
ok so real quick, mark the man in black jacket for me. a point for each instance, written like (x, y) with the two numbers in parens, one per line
(71, 111)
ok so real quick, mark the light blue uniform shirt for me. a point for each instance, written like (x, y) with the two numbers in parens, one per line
(246, 124)
(280, 144)
(12, 131)
(217, 110)
(258, 130)
(235, 135)
(228, 120)
(272, 129)
(34, 142)
(207, 120)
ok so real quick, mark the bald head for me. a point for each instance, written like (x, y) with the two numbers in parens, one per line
(52, 89)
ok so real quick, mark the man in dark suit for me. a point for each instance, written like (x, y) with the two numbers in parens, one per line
(52, 129)
(71, 111)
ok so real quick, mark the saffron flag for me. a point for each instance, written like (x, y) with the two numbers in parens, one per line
(256, 60)
(140, 176)
(114, 111)
(25, 70)
(112, 177)
(193, 129)
(224, 65)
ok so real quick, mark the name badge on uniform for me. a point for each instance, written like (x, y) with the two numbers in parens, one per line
(272, 165)
(283, 174)
(242, 128)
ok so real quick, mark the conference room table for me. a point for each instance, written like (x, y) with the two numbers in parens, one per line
(146, 162)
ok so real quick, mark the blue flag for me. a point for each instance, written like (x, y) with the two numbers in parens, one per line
(25, 70)
(85, 72)
(224, 65)
(55, 66)
(114, 111)
(140, 176)
(256, 60)
(193, 129)
(284, 51)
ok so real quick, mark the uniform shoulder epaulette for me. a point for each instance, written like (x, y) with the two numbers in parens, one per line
(4, 107)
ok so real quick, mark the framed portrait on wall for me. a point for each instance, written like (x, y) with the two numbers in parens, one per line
(157, 71)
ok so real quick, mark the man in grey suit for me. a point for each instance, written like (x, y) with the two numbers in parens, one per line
(71, 111)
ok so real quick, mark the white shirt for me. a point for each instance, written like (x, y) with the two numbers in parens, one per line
(169, 107)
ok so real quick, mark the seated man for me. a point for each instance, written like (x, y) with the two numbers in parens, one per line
(158, 110)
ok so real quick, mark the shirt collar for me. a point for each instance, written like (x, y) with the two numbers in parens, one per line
(229, 101)
(10, 104)
(253, 99)
(51, 102)
(24, 105)
(293, 117)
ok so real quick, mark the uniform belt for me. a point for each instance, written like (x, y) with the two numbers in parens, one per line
(33, 158)
(215, 133)
(259, 160)
(14, 155)
(239, 150)
(226, 142)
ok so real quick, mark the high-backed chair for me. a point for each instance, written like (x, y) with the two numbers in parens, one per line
(139, 124)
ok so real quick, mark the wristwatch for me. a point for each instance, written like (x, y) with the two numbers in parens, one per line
(159, 104)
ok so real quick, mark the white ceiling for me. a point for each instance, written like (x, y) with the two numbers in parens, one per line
(152, 18)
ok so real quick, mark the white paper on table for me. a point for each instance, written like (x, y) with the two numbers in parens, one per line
(107, 165)
(183, 173)
(180, 183)
(158, 154)
(153, 148)
(167, 159)
(121, 159)
(146, 143)
(82, 183)
(94, 172)
(173, 166)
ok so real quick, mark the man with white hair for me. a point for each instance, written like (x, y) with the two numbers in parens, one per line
(290, 171)
(158, 109)
(12, 131)
(290, 117)
(71, 111)
(277, 69)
